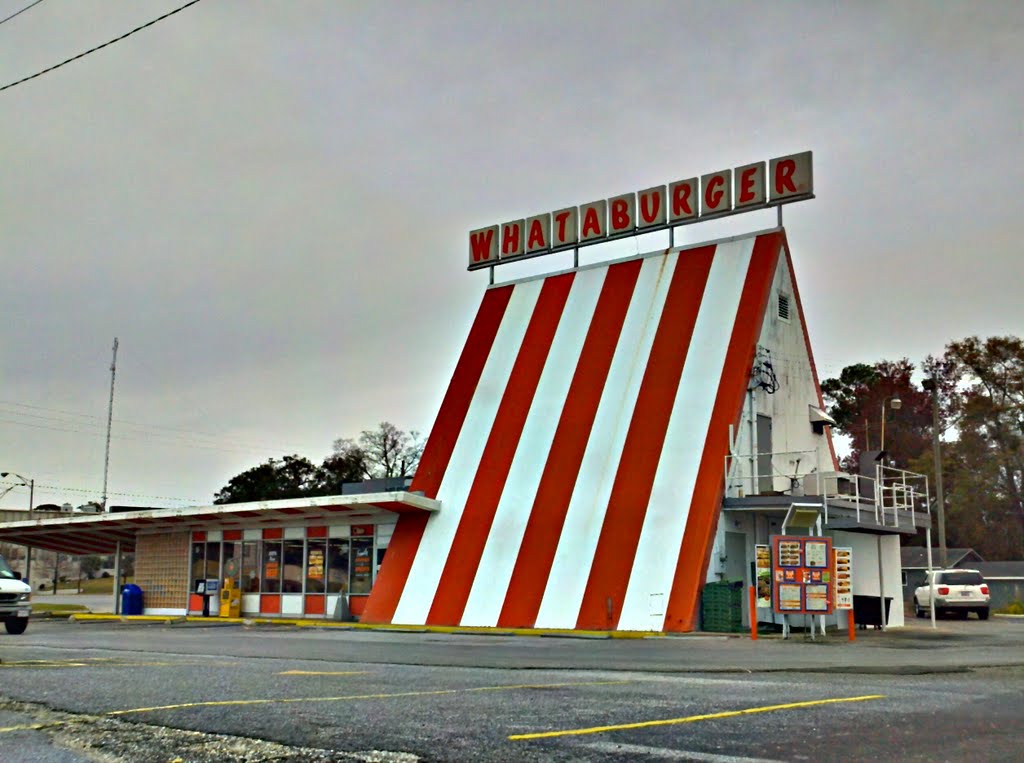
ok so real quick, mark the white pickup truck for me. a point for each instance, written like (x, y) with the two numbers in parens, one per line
(956, 591)
(14, 600)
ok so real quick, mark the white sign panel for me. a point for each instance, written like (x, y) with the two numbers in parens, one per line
(788, 178)
(791, 176)
(844, 577)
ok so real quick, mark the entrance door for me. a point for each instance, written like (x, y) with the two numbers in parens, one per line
(765, 482)
(735, 556)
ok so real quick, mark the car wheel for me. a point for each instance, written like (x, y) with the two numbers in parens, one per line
(983, 614)
(918, 609)
(16, 625)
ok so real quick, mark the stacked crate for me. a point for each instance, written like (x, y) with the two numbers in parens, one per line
(721, 607)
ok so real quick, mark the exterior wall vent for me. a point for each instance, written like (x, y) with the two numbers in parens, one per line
(784, 307)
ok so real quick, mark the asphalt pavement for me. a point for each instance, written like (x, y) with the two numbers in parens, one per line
(214, 692)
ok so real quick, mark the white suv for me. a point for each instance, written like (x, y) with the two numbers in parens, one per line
(956, 591)
(15, 606)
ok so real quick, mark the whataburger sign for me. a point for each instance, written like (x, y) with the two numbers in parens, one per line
(717, 194)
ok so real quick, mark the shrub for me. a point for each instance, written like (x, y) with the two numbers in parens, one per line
(1013, 608)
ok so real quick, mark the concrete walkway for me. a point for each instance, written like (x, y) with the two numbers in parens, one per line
(99, 603)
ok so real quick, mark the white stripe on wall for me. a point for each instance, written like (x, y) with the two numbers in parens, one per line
(657, 553)
(418, 594)
(490, 585)
(570, 568)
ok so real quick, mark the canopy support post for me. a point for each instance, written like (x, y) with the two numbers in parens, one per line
(117, 579)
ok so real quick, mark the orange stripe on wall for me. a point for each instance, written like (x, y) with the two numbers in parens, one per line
(634, 479)
(394, 571)
(691, 568)
(496, 460)
(540, 540)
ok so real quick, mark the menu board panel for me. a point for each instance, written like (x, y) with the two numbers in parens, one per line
(791, 597)
(843, 577)
(763, 559)
(803, 574)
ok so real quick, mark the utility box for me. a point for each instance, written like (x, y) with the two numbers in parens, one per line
(230, 599)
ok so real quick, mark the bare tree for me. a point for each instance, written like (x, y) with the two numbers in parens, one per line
(386, 451)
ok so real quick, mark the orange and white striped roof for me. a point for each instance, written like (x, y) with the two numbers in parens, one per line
(578, 452)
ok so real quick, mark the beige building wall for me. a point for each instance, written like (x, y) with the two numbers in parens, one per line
(161, 569)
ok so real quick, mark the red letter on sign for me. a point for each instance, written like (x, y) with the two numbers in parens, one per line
(784, 176)
(480, 243)
(536, 239)
(650, 206)
(561, 218)
(510, 243)
(747, 185)
(591, 224)
(713, 198)
(681, 201)
(620, 215)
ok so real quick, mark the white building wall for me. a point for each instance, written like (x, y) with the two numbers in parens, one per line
(865, 568)
(788, 405)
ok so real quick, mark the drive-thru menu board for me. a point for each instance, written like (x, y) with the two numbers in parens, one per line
(803, 575)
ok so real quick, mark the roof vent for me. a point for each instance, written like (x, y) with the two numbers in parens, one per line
(784, 307)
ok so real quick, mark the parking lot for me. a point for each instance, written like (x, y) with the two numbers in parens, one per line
(204, 692)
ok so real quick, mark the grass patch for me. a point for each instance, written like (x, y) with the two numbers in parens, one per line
(57, 608)
(103, 586)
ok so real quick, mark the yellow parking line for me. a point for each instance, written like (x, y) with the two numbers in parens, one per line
(323, 673)
(351, 697)
(693, 718)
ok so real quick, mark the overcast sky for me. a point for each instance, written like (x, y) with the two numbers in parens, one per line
(268, 202)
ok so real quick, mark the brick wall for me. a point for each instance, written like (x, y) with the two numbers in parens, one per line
(161, 569)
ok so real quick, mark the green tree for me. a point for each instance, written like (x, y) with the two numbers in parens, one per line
(984, 468)
(860, 397)
(289, 477)
(90, 565)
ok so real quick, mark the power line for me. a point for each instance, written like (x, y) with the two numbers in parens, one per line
(99, 47)
(219, 439)
(63, 489)
(18, 13)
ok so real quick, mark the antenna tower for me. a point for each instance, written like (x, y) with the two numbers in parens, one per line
(110, 420)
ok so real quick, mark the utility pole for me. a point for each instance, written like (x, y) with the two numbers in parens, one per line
(110, 420)
(931, 385)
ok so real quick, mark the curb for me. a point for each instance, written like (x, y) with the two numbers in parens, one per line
(301, 623)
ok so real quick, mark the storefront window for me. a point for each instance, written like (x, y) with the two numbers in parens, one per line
(250, 582)
(362, 565)
(213, 561)
(337, 569)
(198, 564)
(316, 556)
(232, 560)
(271, 567)
(293, 553)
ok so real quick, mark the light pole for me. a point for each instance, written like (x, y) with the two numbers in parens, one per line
(895, 403)
(31, 485)
(931, 385)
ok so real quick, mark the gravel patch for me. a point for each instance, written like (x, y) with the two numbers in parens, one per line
(110, 740)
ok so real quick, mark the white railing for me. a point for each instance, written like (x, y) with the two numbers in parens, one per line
(892, 497)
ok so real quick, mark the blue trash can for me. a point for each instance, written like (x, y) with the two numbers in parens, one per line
(131, 600)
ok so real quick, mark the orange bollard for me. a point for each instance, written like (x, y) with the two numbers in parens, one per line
(753, 613)
(851, 626)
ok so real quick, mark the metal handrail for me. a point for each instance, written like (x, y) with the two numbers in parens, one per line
(890, 493)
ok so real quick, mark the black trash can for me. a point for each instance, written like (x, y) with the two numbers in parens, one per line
(867, 610)
(131, 600)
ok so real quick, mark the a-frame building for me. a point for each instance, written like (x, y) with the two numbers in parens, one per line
(580, 452)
